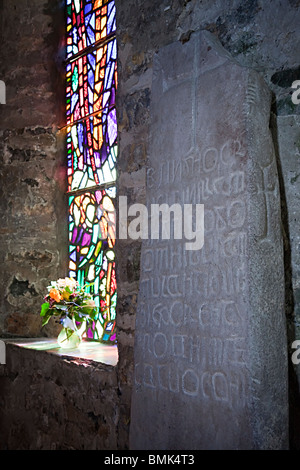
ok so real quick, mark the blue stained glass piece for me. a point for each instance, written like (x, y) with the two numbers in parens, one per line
(87, 10)
(111, 191)
(75, 36)
(110, 17)
(91, 78)
(110, 6)
(109, 51)
(74, 100)
(92, 21)
(91, 97)
(92, 61)
(90, 35)
(104, 116)
(80, 136)
(114, 52)
(111, 161)
(109, 76)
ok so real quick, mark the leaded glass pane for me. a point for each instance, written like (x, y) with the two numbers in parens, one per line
(92, 151)
(88, 21)
(92, 228)
(91, 82)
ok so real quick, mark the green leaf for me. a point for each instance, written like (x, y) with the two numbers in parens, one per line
(86, 310)
(45, 320)
(93, 313)
(44, 309)
(78, 318)
(61, 307)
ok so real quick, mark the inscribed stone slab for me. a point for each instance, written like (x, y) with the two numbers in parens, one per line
(210, 345)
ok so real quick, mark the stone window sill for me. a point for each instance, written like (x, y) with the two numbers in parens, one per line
(88, 351)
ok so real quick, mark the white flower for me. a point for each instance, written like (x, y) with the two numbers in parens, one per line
(53, 285)
(67, 282)
(68, 323)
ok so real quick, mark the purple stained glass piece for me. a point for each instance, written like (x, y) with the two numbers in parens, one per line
(112, 127)
(74, 235)
(86, 239)
(97, 159)
(98, 196)
(113, 337)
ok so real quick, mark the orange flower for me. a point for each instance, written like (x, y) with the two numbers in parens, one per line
(54, 294)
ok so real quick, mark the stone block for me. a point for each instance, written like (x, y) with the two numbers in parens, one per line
(210, 341)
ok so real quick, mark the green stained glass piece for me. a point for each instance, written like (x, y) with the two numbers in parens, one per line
(112, 313)
(96, 229)
(96, 285)
(80, 277)
(75, 79)
(98, 248)
(90, 173)
(75, 161)
(99, 260)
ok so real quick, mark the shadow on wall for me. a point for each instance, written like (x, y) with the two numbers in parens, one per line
(294, 393)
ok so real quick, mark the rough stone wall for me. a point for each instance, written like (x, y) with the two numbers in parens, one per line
(49, 406)
(261, 35)
(33, 232)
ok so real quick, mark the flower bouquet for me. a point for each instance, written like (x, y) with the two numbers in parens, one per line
(71, 306)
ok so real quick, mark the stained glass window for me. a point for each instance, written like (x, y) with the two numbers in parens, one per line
(92, 150)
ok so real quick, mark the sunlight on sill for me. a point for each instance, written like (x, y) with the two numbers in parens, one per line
(89, 350)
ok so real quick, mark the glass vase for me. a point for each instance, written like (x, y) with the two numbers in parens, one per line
(68, 338)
